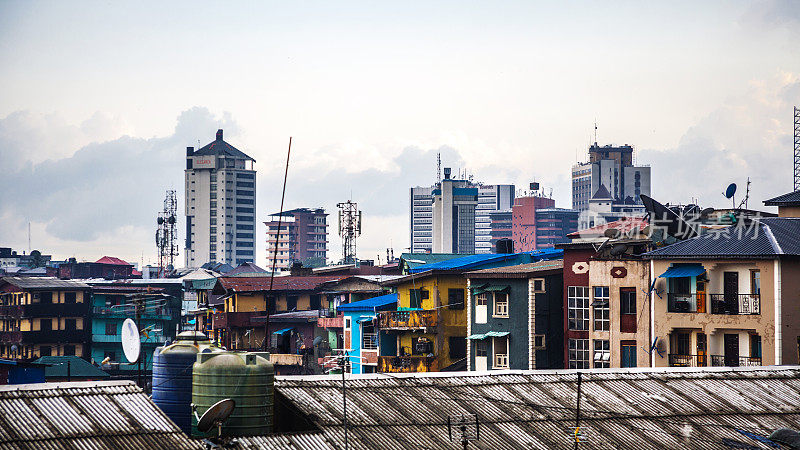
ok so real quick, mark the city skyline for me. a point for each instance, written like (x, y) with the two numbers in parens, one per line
(90, 140)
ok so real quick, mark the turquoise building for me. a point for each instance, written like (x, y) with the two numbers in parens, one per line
(360, 332)
(111, 305)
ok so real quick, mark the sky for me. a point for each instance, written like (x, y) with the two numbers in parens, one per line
(98, 101)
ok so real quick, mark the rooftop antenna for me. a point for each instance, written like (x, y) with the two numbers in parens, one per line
(438, 167)
(349, 229)
(29, 238)
(595, 131)
(746, 195)
(796, 148)
(167, 234)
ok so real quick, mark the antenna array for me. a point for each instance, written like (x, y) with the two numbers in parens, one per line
(167, 234)
(796, 148)
(349, 229)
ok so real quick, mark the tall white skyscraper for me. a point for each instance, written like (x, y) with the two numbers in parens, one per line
(220, 205)
(454, 203)
(491, 198)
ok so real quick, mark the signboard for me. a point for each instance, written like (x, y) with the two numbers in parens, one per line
(204, 162)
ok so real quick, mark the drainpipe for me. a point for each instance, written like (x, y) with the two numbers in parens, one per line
(778, 323)
(652, 315)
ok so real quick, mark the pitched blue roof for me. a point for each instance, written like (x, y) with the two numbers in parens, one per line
(370, 304)
(476, 261)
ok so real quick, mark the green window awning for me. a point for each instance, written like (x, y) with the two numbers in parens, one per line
(497, 334)
(476, 337)
(497, 288)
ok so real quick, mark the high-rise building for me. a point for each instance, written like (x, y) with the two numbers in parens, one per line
(500, 226)
(220, 205)
(421, 219)
(610, 168)
(303, 237)
(454, 203)
(491, 198)
(523, 221)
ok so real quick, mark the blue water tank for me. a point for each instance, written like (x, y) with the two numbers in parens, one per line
(172, 376)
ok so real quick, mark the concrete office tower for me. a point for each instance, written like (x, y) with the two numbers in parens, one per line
(454, 203)
(612, 168)
(220, 205)
(303, 237)
(421, 219)
(491, 198)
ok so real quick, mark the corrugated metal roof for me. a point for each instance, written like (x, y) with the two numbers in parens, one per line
(790, 199)
(478, 260)
(78, 367)
(294, 441)
(109, 415)
(521, 269)
(112, 261)
(764, 238)
(370, 303)
(44, 283)
(252, 284)
(620, 408)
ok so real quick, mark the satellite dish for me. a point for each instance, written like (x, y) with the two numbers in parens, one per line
(131, 343)
(618, 249)
(730, 191)
(706, 212)
(611, 233)
(786, 437)
(215, 415)
(317, 340)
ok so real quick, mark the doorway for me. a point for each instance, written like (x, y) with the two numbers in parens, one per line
(731, 342)
(730, 291)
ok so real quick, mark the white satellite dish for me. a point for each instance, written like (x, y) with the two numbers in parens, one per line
(131, 343)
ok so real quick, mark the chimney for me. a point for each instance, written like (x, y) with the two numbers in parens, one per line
(219, 134)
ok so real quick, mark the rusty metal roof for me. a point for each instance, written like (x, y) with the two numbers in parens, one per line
(521, 270)
(113, 415)
(44, 283)
(655, 409)
(255, 284)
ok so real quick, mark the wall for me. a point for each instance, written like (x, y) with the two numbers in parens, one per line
(714, 325)
(637, 276)
(576, 273)
(516, 323)
(548, 319)
(790, 311)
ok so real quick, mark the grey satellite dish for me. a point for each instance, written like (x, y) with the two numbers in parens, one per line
(706, 212)
(618, 249)
(611, 233)
(131, 343)
(730, 191)
(215, 415)
(787, 437)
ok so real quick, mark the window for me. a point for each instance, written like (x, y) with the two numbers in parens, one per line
(628, 354)
(240, 226)
(755, 346)
(244, 235)
(683, 346)
(70, 324)
(46, 324)
(601, 309)
(111, 356)
(579, 353)
(69, 350)
(627, 310)
(500, 304)
(291, 303)
(500, 353)
(111, 329)
(46, 297)
(578, 308)
(538, 285)
(455, 298)
(755, 282)
(242, 209)
(602, 353)
(45, 350)
(315, 301)
(213, 204)
(245, 175)
(69, 297)
(458, 347)
(538, 342)
(244, 201)
(417, 296)
(480, 348)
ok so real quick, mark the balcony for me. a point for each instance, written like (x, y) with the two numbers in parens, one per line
(285, 359)
(11, 337)
(407, 364)
(53, 336)
(408, 320)
(736, 304)
(687, 360)
(686, 303)
(330, 322)
(235, 319)
(734, 361)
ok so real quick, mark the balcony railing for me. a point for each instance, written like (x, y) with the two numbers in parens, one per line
(407, 364)
(369, 341)
(408, 319)
(737, 304)
(686, 303)
(687, 360)
(734, 361)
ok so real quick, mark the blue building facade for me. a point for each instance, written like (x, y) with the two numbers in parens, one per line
(361, 333)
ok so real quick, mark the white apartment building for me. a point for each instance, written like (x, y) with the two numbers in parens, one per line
(220, 205)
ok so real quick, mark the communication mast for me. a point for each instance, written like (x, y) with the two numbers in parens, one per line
(796, 148)
(349, 229)
(166, 234)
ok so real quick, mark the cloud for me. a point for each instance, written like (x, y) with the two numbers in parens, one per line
(749, 136)
(773, 13)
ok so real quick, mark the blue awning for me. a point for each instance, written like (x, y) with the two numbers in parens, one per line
(283, 331)
(687, 270)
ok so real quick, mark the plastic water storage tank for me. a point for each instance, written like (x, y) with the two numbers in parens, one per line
(247, 378)
(172, 376)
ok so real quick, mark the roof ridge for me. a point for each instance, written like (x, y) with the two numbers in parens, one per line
(774, 242)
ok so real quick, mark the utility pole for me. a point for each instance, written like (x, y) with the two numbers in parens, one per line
(578, 414)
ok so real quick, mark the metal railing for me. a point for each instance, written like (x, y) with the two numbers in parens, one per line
(736, 304)
(686, 303)
(735, 361)
(369, 341)
(408, 319)
(687, 360)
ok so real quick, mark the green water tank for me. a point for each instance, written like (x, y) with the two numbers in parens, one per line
(247, 378)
